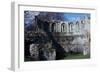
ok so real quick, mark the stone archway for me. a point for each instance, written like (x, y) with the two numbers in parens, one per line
(62, 27)
(53, 27)
(71, 27)
(77, 26)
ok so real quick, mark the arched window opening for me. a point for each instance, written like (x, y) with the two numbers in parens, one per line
(77, 24)
(53, 27)
(62, 27)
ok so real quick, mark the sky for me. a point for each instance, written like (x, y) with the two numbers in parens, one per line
(75, 16)
(30, 15)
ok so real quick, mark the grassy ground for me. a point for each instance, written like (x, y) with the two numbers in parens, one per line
(67, 57)
(76, 56)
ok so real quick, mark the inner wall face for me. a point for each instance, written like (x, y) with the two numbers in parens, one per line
(56, 36)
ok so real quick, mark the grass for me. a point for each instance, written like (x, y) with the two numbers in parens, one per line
(77, 56)
(68, 56)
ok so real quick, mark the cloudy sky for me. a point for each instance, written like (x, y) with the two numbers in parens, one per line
(30, 15)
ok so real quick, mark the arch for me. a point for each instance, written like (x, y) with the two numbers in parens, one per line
(70, 26)
(53, 27)
(77, 25)
(62, 27)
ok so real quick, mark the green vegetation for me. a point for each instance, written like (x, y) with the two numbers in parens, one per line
(76, 56)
